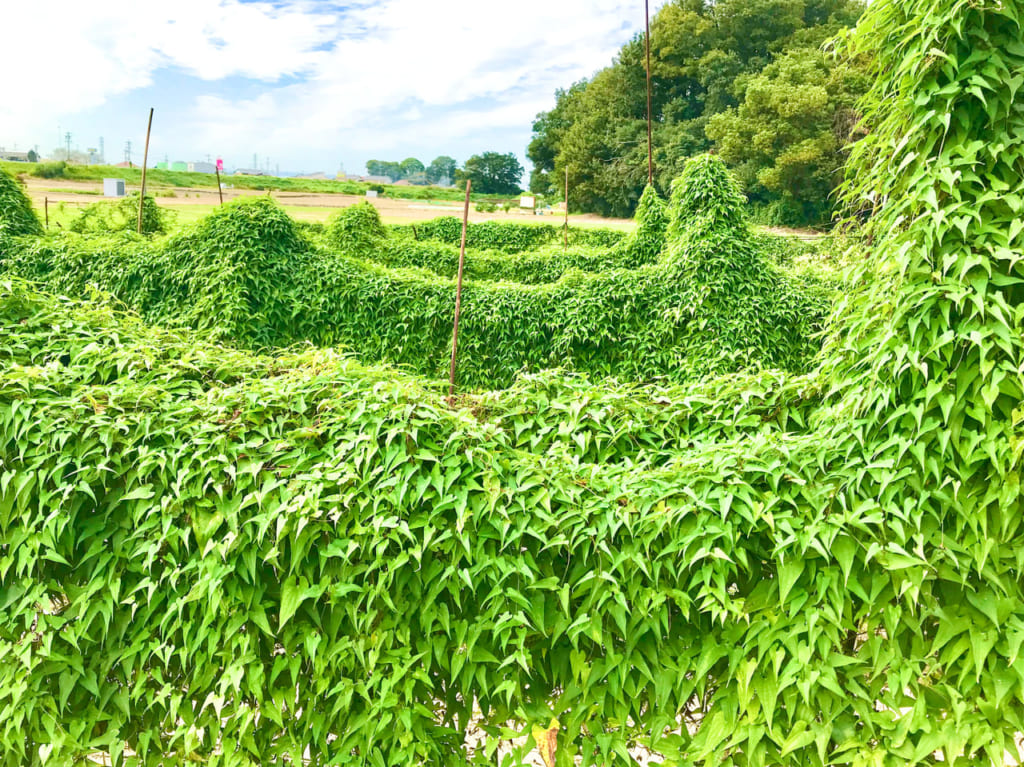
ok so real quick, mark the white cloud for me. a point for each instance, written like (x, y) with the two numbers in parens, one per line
(370, 77)
(102, 49)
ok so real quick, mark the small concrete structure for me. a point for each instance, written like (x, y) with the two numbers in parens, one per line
(371, 193)
(113, 187)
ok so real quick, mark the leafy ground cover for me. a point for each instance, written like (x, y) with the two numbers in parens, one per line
(211, 554)
(246, 275)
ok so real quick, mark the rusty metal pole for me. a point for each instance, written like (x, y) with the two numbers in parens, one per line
(650, 117)
(566, 227)
(145, 162)
(458, 294)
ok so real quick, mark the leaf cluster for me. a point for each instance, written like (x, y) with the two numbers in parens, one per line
(16, 215)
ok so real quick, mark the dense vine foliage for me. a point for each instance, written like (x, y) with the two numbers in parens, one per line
(246, 276)
(207, 554)
(16, 214)
(123, 216)
(509, 237)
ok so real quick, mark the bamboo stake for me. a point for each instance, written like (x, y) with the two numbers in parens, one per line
(145, 162)
(458, 294)
(220, 189)
(650, 142)
(46, 208)
(566, 227)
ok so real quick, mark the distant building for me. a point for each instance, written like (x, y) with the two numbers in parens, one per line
(113, 187)
(179, 166)
(202, 167)
(248, 172)
(13, 156)
(404, 182)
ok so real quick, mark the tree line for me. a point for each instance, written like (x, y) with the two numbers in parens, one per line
(752, 80)
(490, 172)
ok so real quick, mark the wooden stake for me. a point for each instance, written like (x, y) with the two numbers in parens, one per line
(220, 190)
(145, 162)
(458, 294)
(566, 207)
(46, 208)
(650, 117)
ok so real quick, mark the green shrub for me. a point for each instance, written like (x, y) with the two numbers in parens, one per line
(357, 228)
(645, 243)
(16, 215)
(50, 169)
(105, 217)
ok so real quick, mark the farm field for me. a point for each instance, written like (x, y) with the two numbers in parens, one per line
(192, 203)
(695, 493)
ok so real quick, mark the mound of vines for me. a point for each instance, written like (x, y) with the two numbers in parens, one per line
(210, 555)
(245, 275)
(123, 216)
(16, 215)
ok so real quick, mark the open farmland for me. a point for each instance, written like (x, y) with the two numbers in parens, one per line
(190, 203)
(706, 495)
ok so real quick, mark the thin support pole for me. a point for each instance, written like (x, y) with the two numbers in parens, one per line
(566, 227)
(145, 162)
(220, 189)
(46, 209)
(650, 141)
(458, 293)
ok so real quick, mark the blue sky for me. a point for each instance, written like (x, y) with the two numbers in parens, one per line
(310, 85)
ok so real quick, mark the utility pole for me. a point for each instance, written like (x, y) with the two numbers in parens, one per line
(650, 142)
(67, 143)
(128, 153)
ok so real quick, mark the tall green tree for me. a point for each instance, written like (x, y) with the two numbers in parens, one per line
(493, 173)
(787, 138)
(411, 167)
(703, 53)
(441, 168)
(392, 170)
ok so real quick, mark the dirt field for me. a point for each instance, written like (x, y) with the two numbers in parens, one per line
(193, 203)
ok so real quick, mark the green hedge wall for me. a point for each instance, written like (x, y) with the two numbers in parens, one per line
(507, 236)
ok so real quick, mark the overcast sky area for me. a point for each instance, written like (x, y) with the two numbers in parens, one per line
(310, 85)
